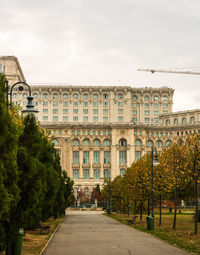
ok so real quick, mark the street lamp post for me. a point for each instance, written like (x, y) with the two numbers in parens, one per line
(29, 107)
(154, 162)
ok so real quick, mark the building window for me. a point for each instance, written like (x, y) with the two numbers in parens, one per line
(85, 118)
(146, 98)
(35, 95)
(75, 157)
(105, 96)
(167, 122)
(120, 103)
(95, 103)
(45, 103)
(96, 174)
(122, 143)
(120, 111)
(75, 118)
(165, 111)
(122, 172)
(155, 98)
(156, 120)
(95, 118)
(75, 174)
(75, 95)
(134, 97)
(120, 96)
(35, 103)
(106, 143)
(134, 119)
(105, 103)
(86, 142)
(86, 174)
(134, 105)
(86, 157)
(183, 120)
(65, 96)
(105, 111)
(138, 143)
(95, 96)
(146, 112)
(165, 98)
(96, 157)
(55, 141)
(55, 111)
(55, 103)
(146, 120)
(75, 111)
(105, 119)
(65, 118)
(75, 143)
(75, 103)
(96, 142)
(65, 111)
(95, 111)
(45, 110)
(85, 111)
(122, 157)
(106, 157)
(137, 155)
(55, 118)
(107, 174)
(156, 105)
(146, 105)
(156, 112)
(55, 95)
(120, 118)
(165, 105)
(149, 144)
(65, 104)
(192, 119)
(45, 118)
(85, 95)
(175, 121)
(45, 95)
(159, 143)
(134, 112)
(85, 103)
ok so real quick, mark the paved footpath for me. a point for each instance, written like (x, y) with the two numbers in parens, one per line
(91, 233)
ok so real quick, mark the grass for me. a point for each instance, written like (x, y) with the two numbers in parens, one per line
(33, 241)
(183, 237)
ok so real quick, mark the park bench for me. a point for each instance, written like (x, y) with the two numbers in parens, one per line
(44, 228)
(132, 221)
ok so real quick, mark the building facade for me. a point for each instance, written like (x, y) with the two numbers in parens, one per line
(100, 131)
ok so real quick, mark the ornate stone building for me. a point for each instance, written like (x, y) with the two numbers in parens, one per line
(100, 131)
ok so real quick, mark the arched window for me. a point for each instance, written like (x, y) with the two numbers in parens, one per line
(25, 95)
(155, 98)
(120, 95)
(138, 142)
(159, 143)
(167, 122)
(134, 97)
(183, 120)
(45, 95)
(35, 95)
(146, 98)
(65, 95)
(75, 95)
(95, 96)
(175, 121)
(55, 142)
(192, 119)
(85, 95)
(86, 142)
(165, 98)
(55, 95)
(76, 143)
(96, 142)
(168, 143)
(149, 143)
(122, 142)
(106, 143)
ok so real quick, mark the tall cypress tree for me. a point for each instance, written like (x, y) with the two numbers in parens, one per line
(9, 191)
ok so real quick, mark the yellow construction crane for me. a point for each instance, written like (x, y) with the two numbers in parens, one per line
(169, 71)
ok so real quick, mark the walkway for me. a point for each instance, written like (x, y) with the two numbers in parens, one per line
(91, 233)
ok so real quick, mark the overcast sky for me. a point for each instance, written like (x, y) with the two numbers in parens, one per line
(103, 42)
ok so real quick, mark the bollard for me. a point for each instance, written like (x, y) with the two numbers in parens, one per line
(18, 242)
(150, 223)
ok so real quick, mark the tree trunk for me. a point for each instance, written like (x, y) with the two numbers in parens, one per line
(128, 207)
(148, 205)
(196, 207)
(160, 220)
(175, 210)
(141, 210)
(135, 204)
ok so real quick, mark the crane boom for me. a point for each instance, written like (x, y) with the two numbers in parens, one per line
(168, 71)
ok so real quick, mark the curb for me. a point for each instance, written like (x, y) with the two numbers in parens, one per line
(44, 248)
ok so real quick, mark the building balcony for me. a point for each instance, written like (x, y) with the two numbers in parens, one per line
(96, 165)
(106, 165)
(86, 165)
(75, 165)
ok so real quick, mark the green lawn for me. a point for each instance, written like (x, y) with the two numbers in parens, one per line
(183, 237)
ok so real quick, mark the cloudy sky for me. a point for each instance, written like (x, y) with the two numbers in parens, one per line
(103, 42)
